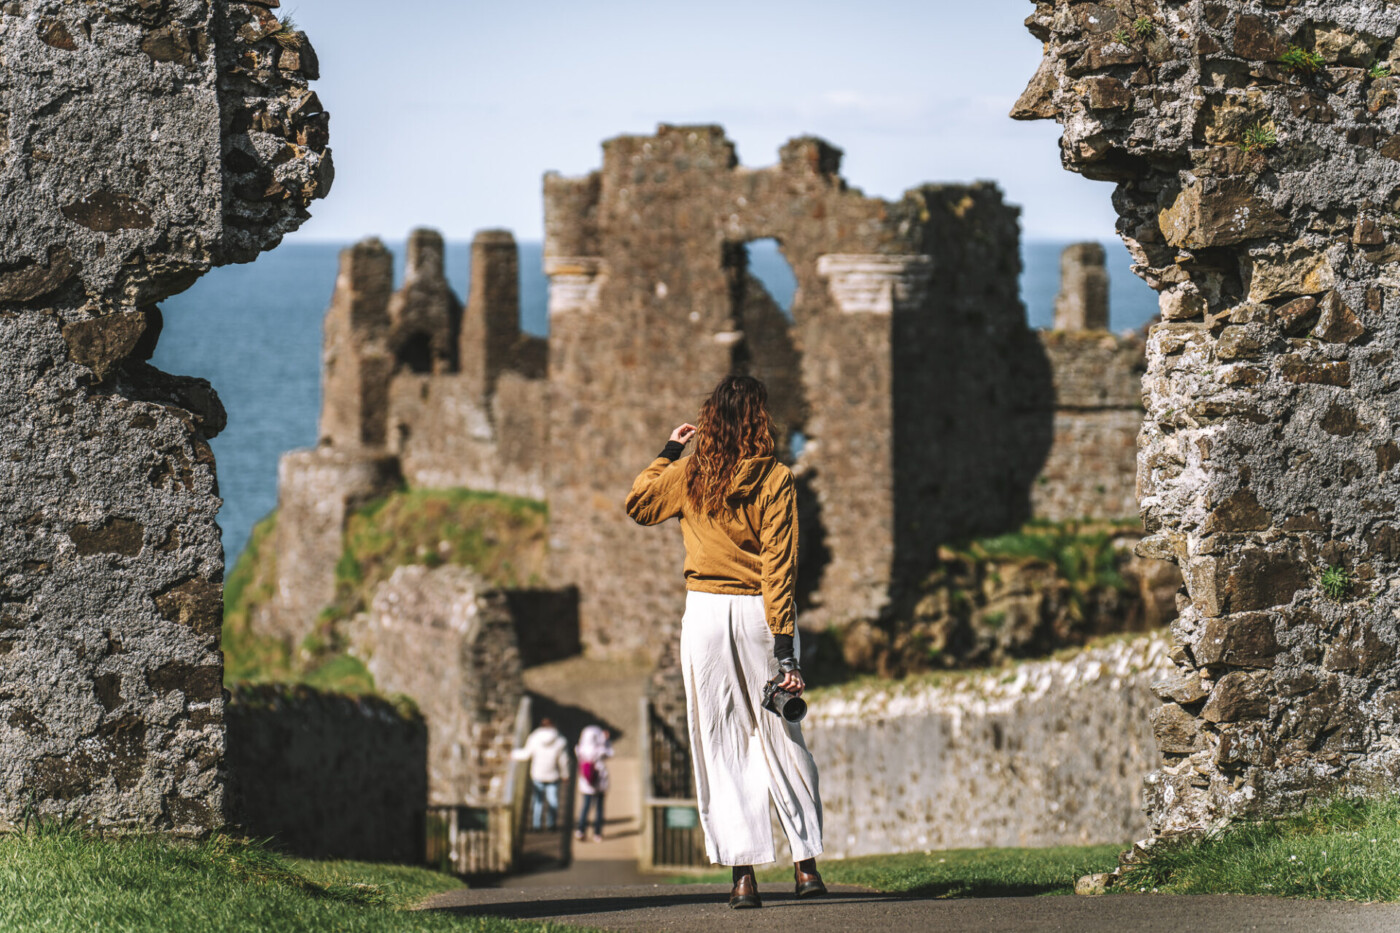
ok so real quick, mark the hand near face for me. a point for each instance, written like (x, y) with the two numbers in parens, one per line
(683, 433)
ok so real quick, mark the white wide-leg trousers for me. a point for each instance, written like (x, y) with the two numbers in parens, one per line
(742, 752)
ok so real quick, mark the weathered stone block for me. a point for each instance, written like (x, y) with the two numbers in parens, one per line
(1236, 696)
(1219, 212)
(1177, 732)
(1243, 640)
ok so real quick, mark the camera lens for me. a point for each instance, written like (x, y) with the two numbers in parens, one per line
(792, 708)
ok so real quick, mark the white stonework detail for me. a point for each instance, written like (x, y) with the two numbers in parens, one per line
(574, 282)
(874, 283)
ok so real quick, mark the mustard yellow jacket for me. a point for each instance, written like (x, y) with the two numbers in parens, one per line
(750, 550)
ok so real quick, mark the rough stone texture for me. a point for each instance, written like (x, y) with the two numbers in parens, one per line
(1267, 454)
(1082, 303)
(1091, 469)
(129, 165)
(896, 303)
(1048, 753)
(327, 776)
(446, 640)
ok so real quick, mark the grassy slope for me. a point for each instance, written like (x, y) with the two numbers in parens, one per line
(957, 872)
(59, 882)
(1347, 850)
(503, 537)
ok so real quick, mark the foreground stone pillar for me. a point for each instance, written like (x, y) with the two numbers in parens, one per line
(1255, 148)
(140, 145)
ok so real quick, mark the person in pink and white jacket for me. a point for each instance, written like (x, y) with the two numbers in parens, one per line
(593, 749)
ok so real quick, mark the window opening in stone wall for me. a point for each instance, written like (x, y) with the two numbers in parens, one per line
(417, 353)
(768, 264)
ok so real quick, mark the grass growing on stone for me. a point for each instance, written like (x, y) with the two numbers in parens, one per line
(63, 881)
(1301, 60)
(1343, 850)
(955, 872)
(502, 537)
(1082, 553)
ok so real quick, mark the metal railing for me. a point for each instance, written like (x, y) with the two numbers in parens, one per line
(484, 840)
(671, 834)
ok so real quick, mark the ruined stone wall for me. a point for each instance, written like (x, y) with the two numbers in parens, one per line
(1051, 753)
(1091, 469)
(327, 776)
(1254, 149)
(140, 145)
(446, 640)
(1082, 301)
(651, 303)
(414, 390)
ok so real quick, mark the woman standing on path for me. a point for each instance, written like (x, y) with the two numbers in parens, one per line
(592, 751)
(738, 515)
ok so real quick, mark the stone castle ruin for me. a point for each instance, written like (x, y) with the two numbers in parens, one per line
(927, 406)
(141, 144)
(1254, 150)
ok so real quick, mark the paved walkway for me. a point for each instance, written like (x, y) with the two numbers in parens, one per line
(693, 908)
(579, 692)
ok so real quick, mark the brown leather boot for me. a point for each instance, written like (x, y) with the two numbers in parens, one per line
(745, 891)
(809, 883)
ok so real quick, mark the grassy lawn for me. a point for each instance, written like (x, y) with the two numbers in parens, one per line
(57, 881)
(956, 872)
(1347, 850)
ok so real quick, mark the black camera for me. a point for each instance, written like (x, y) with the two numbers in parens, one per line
(789, 706)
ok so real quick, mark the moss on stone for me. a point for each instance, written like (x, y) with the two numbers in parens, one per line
(502, 537)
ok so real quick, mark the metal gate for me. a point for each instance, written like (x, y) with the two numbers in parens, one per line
(671, 833)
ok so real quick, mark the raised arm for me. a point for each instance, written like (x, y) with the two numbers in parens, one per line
(656, 493)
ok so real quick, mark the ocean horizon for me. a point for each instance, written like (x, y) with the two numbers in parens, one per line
(254, 331)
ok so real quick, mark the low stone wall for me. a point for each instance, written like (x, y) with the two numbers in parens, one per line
(1045, 753)
(328, 776)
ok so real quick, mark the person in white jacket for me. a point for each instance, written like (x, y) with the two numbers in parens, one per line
(593, 749)
(548, 754)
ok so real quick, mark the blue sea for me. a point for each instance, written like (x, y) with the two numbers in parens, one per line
(254, 331)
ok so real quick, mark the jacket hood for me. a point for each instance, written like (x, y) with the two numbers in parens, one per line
(748, 476)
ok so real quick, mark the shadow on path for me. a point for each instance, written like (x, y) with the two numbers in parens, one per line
(699, 908)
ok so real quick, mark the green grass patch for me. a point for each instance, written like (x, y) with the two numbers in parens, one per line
(1344, 850)
(62, 881)
(1082, 554)
(1259, 138)
(504, 538)
(1302, 61)
(955, 872)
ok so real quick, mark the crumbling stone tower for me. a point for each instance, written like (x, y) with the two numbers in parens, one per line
(651, 303)
(415, 388)
(141, 144)
(1254, 147)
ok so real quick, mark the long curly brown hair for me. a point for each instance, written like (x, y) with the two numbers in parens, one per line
(734, 425)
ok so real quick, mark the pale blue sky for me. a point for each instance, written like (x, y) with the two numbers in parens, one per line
(446, 114)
